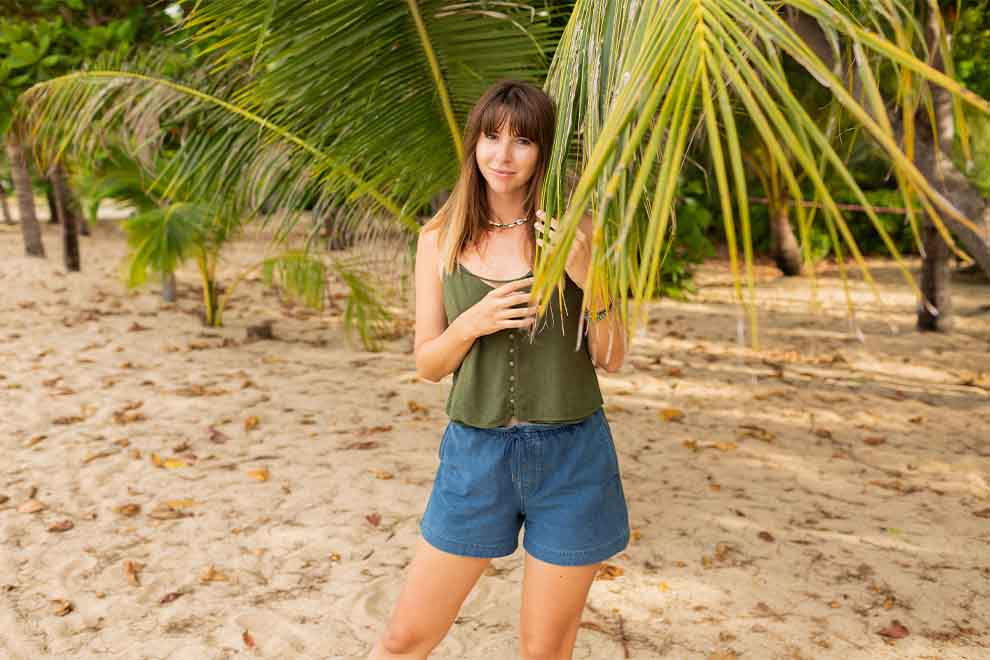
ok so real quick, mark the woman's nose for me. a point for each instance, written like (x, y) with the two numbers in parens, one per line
(505, 150)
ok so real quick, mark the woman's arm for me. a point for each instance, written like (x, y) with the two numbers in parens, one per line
(609, 330)
(439, 348)
(600, 334)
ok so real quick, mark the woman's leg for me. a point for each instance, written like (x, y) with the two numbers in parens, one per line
(436, 585)
(552, 602)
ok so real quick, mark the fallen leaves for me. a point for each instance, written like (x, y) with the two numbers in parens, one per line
(218, 437)
(757, 432)
(170, 597)
(896, 630)
(896, 485)
(197, 390)
(251, 423)
(165, 511)
(374, 429)
(61, 526)
(97, 455)
(382, 474)
(363, 444)
(128, 414)
(259, 474)
(766, 536)
(62, 606)
(984, 513)
(66, 420)
(672, 415)
(128, 510)
(874, 440)
(723, 655)
(374, 519)
(132, 570)
(609, 572)
(32, 506)
(212, 574)
(248, 639)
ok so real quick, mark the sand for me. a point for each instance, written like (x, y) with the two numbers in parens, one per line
(175, 491)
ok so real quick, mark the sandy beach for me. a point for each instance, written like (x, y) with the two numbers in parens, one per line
(171, 491)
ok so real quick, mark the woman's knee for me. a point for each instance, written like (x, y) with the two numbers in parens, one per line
(403, 639)
(534, 647)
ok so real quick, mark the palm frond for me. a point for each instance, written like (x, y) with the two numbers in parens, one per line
(679, 69)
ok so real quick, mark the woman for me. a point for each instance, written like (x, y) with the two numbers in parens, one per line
(527, 444)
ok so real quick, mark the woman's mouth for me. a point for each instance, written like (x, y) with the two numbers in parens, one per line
(502, 173)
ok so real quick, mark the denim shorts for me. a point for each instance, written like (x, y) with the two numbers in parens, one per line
(559, 481)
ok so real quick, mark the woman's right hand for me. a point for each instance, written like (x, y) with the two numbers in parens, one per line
(498, 311)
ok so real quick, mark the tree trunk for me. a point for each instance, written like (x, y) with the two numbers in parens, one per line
(7, 220)
(75, 208)
(70, 231)
(168, 287)
(53, 215)
(783, 246)
(30, 229)
(931, 151)
(935, 310)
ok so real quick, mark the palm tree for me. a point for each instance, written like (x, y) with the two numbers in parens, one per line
(31, 230)
(363, 101)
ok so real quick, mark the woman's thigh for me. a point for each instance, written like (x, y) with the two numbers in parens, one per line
(437, 583)
(553, 599)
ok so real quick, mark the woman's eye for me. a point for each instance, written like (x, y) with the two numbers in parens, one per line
(524, 141)
(491, 136)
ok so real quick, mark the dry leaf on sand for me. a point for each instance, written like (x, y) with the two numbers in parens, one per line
(259, 474)
(213, 575)
(62, 606)
(32, 506)
(130, 509)
(609, 572)
(895, 630)
(132, 570)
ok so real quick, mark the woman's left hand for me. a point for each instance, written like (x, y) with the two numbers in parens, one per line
(578, 259)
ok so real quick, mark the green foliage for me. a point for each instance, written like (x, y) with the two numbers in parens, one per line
(692, 223)
(364, 313)
(970, 25)
(300, 274)
(161, 238)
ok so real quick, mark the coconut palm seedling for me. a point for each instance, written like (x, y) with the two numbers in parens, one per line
(164, 232)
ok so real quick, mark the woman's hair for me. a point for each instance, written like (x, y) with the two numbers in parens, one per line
(530, 114)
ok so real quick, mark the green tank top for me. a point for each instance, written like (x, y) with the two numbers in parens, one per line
(505, 374)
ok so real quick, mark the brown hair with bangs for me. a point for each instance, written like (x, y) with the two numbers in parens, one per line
(462, 219)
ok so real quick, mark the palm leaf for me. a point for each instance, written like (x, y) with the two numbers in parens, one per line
(679, 69)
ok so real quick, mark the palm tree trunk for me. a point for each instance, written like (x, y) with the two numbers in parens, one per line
(935, 311)
(70, 231)
(53, 215)
(7, 219)
(30, 229)
(783, 245)
(168, 287)
(75, 208)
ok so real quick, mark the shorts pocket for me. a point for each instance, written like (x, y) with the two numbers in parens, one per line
(604, 435)
(443, 441)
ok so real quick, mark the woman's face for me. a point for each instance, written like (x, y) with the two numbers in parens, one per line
(507, 162)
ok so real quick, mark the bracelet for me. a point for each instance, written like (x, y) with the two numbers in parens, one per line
(598, 315)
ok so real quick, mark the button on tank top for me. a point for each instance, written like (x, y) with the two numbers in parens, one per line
(504, 374)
